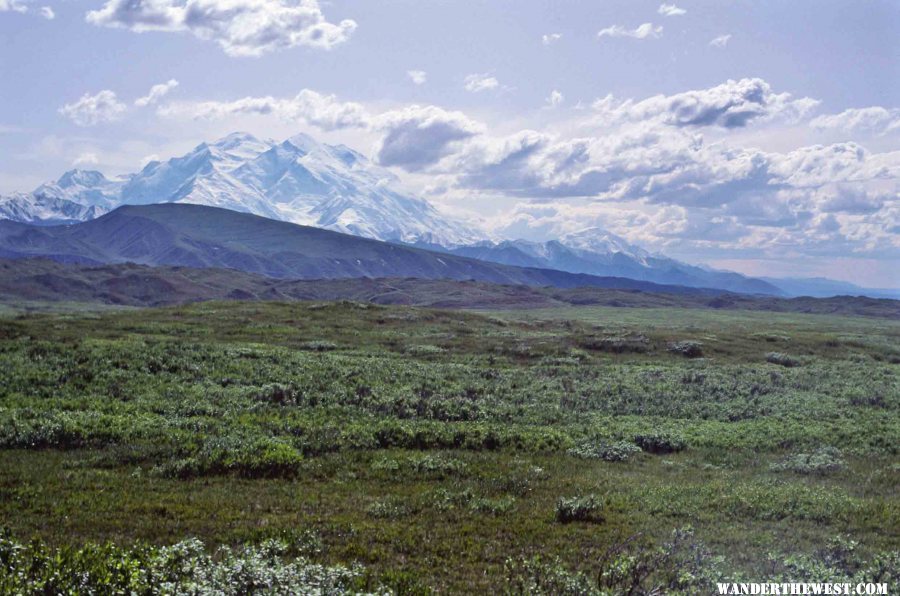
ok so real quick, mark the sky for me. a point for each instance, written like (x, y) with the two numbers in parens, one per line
(753, 135)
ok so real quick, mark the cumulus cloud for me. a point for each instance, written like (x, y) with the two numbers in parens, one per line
(419, 77)
(239, 27)
(733, 104)
(87, 158)
(641, 168)
(419, 136)
(670, 10)
(94, 109)
(875, 119)
(654, 180)
(48, 13)
(476, 83)
(555, 99)
(721, 41)
(645, 31)
(12, 6)
(156, 93)
(323, 111)
(548, 39)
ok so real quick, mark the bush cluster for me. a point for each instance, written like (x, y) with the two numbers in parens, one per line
(682, 565)
(660, 442)
(825, 460)
(687, 348)
(249, 458)
(588, 508)
(782, 359)
(617, 451)
(183, 568)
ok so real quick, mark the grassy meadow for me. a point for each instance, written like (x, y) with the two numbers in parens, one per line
(355, 447)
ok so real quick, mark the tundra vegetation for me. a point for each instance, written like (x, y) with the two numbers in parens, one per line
(344, 447)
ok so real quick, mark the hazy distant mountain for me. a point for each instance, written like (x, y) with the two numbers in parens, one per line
(820, 287)
(200, 236)
(299, 180)
(597, 252)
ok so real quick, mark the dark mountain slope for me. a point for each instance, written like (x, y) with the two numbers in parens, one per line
(29, 281)
(200, 236)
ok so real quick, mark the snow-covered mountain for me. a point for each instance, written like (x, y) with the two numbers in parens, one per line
(596, 251)
(299, 180)
(303, 181)
(38, 208)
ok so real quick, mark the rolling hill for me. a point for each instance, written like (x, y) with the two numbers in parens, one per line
(33, 284)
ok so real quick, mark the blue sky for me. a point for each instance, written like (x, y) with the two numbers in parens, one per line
(754, 135)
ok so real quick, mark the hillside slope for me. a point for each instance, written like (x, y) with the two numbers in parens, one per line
(31, 283)
(199, 236)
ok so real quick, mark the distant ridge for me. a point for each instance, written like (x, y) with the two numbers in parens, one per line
(200, 236)
(33, 283)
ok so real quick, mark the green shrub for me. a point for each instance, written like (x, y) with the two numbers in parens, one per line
(446, 500)
(635, 344)
(679, 566)
(839, 561)
(183, 568)
(782, 359)
(687, 348)
(318, 346)
(497, 506)
(618, 451)
(389, 508)
(825, 460)
(586, 508)
(278, 394)
(424, 350)
(660, 442)
(250, 458)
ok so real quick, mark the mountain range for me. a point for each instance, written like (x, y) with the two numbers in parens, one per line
(298, 180)
(335, 188)
(201, 236)
(597, 252)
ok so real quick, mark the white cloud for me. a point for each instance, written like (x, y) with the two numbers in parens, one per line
(156, 93)
(641, 168)
(12, 6)
(86, 159)
(555, 99)
(733, 104)
(417, 137)
(720, 41)
(670, 10)
(48, 13)
(550, 38)
(875, 119)
(476, 83)
(645, 31)
(240, 27)
(311, 107)
(94, 109)
(419, 77)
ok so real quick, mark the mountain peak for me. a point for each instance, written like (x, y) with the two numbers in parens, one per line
(81, 178)
(304, 142)
(599, 240)
(235, 138)
(299, 180)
